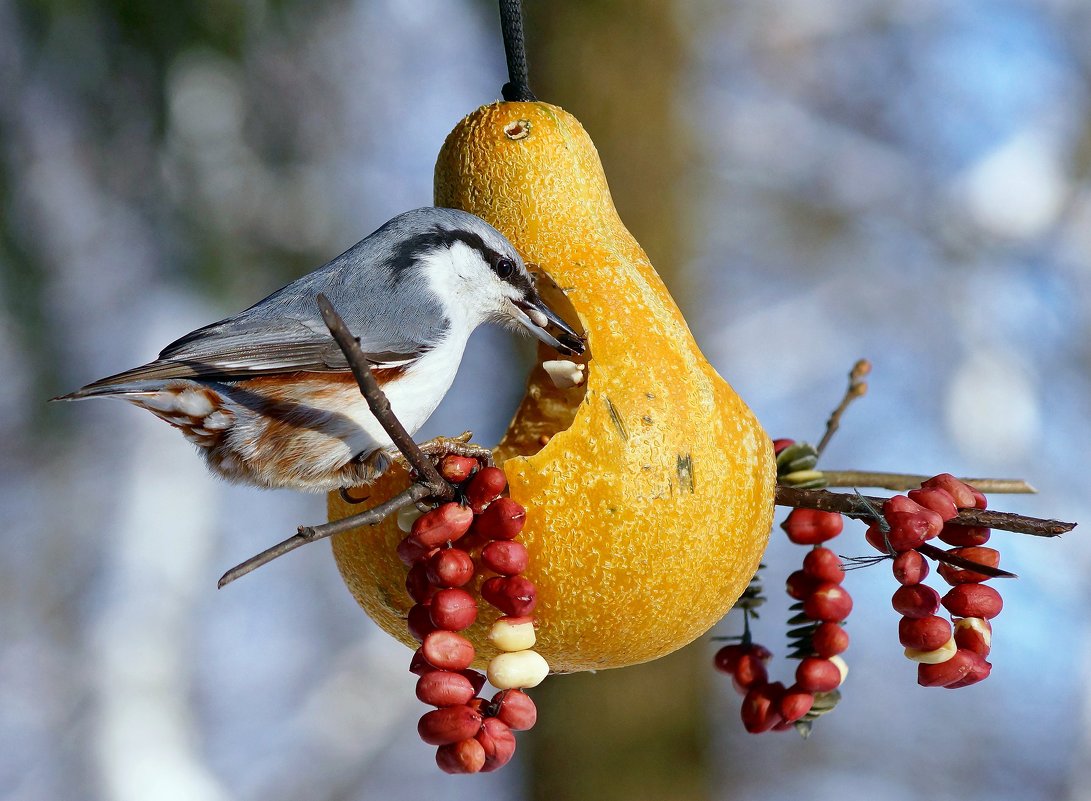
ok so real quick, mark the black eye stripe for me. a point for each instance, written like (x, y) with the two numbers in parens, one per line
(503, 266)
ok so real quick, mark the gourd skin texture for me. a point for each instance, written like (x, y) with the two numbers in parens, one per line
(650, 506)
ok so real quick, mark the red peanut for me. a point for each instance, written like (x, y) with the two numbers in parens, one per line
(910, 567)
(817, 675)
(800, 585)
(516, 709)
(824, 565)
(943, 674)
(457, 469)
(974, 634)
(794, 704)
(759, 707)
(811, 526)
(829, 639)
(750, 671)
(448, 651)
(475, 677)
(465, 756)
(418, 665)
(963, 494)
(954, 534)
(924, 633)
(450, 567)
(411, 550)
(444, 688)
(502, 520)
(484, 488)
(915, 600)
(499, 743)
(911, 530)
(512, 595)
(829, 602)
(418, 586)
(979, 671)
(445, 523)
(936, 499)
(505, 557)
(973, 600)
(990, 557)
(453, 609)
(727, 658)
(876, 538)
(419, 622)
(448, 724)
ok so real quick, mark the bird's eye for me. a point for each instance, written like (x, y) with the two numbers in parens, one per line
(504, 268)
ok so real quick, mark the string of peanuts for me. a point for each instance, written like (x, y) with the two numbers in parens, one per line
(444, 549)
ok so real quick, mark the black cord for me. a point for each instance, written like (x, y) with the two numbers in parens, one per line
(511, 25)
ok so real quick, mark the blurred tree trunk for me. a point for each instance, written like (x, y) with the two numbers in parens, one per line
(620, 67)
(637, 733)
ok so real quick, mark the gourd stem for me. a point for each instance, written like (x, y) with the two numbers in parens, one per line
(511, 26)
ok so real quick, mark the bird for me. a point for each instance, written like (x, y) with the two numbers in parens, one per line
(268, 397)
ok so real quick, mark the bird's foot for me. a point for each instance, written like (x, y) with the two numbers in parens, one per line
(437, 448)
(365, 469)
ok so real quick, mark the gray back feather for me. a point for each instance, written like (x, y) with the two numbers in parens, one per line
(386, 304)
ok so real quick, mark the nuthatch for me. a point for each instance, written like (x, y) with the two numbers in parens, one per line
(268, 397)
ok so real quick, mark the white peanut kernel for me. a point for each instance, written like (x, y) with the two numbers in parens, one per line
(512, 636)
(517, 670)
(935, 656)
(564, 373)
(842, 666)
(406, 516)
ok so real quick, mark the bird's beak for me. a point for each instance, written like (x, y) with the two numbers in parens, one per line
(538, 318)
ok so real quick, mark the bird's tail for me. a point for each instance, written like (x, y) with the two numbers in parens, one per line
(141, 380)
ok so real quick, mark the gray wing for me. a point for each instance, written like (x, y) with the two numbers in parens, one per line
(396, 321)
(213, 355)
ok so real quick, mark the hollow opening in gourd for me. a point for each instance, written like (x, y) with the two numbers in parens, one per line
(546, 409)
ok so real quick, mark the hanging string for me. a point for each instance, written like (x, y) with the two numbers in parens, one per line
(511, 25)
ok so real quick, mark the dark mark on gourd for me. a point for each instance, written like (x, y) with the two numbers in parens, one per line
(619, 424)
(685, 471)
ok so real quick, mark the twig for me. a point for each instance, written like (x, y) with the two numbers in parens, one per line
(308, 534)
(900, 482)
(940, 555)
(854, 506)
(380, 406)
(429, 483)
(857, 388)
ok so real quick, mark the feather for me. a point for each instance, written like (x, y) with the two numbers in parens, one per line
(386, 304)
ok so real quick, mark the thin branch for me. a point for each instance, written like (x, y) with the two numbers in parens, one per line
(308, 534)
(429, 483)
(940, 555)
(857, 388)
(855, 506)
(901, 482)
(379, 405)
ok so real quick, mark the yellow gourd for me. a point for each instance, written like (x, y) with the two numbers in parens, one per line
(650, 504)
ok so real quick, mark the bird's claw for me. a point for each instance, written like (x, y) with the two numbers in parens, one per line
(437, 448)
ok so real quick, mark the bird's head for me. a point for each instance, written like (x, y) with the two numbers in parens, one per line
(477, 276)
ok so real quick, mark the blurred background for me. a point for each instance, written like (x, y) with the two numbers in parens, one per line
(817, 180)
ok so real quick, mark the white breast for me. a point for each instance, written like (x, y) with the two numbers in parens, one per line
(417, 392)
